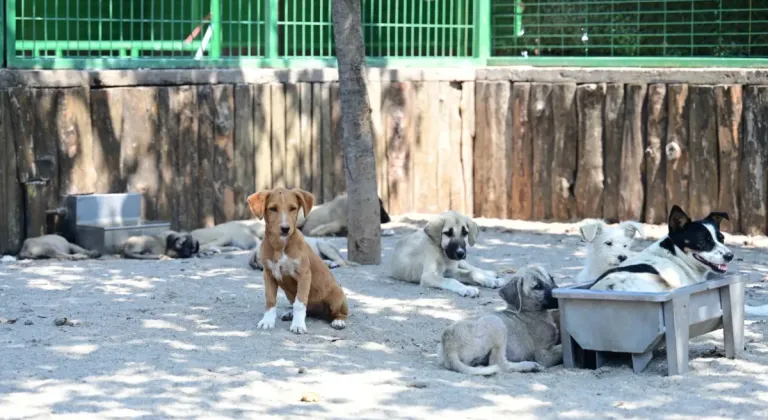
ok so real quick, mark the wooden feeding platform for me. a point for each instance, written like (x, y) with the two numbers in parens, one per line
(596, 323)
(103, 221)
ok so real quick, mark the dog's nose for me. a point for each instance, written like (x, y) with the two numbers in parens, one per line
(460, 253)
(285, 229)
(728, 257)
(622, 258)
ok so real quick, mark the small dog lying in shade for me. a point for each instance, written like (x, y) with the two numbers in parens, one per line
(54, 246)
(521, 338)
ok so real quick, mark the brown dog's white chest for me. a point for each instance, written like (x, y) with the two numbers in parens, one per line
(283, 266)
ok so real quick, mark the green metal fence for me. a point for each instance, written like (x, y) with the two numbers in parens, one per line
(298, 33)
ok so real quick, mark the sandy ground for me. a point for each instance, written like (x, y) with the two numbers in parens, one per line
(177, 339)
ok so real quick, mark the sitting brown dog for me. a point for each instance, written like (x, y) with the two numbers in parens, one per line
(292, 265)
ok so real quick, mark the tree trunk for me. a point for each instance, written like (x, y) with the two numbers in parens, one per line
(364, 230)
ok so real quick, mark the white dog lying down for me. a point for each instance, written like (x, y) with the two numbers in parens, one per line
(521, 338)
(434, 256)
(607, 246)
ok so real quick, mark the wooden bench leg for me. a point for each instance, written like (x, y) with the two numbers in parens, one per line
(569, 347)
(732, 302)
(641, 360)
(676, 332)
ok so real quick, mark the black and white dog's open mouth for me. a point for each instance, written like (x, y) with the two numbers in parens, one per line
(718, 268)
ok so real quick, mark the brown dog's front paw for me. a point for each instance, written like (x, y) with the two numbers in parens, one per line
(339, 324)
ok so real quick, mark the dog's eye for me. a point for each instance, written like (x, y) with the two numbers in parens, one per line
(609, 243)
(720, 238)
(273, 209)
(464, 231)
(537, 286)
(448, 233)
(293, 208)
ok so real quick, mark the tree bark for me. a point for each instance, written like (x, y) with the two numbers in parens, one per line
(364, 231)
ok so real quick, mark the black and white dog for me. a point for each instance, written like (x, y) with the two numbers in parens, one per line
(690, 251)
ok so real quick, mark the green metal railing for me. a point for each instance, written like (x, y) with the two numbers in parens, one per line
(299, 33)
(636, 32)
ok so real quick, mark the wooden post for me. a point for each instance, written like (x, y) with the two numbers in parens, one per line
(614, 137)
(543, 133)
(245, 150)
(703, 154)
(655, 179)
(565, 148)
(631, 192)
(729, 114)
(589, 177)
(676, 147)
(520, 183)
(754, 156)
(493, 111)
(11, 197)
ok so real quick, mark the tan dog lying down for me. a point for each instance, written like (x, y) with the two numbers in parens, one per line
(521, 338)
(237, 235)
(331, 218)
(167, 245)
(53, 246)
(435, 256)
(292, 265)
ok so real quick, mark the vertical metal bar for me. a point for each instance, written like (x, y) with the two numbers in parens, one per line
(389, 27)
(34, 32)
(295, 25)
(216, 26)
(482, 31)
(396, 27)
(312, 30)
(420, 22)
(304, 25)
(321, 40)
(270, 26)
(693, 7)
(10, 31)
(664, 29)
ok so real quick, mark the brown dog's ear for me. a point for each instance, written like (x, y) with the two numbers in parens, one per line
(473, 231)
(512, 294)
(257, 202)
(306, 200)
(434, 229)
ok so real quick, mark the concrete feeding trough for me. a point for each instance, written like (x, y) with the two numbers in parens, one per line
(596, 323)
(103, 221)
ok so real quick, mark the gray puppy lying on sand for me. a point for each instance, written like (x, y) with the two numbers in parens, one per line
(521, 338)
(54, 246)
